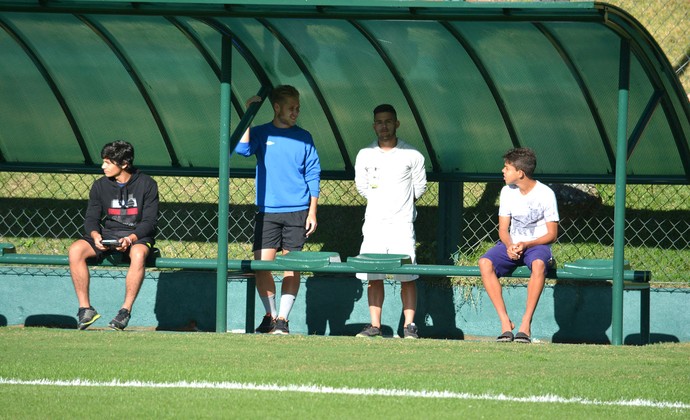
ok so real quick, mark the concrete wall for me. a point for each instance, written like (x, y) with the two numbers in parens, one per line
(337, 305)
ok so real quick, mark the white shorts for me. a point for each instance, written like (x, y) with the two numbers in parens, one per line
(389, 238)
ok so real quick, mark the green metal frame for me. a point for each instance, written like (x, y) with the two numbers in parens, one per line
(329, 263)
(618, 273)
(619, 206)
(638, 42)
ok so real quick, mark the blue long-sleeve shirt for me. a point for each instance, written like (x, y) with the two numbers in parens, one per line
(288, 170)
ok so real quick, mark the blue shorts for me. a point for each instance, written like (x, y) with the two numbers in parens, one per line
(503, 265)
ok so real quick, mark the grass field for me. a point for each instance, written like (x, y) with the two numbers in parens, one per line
(49, 373)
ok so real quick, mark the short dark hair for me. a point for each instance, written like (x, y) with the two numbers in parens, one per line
(523, 158)
(280, 93)
(385, 108)
(120, 153)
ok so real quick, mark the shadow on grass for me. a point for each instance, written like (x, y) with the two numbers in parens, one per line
(50, 321)
(635, 339)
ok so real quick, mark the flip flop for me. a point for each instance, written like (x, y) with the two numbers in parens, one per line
(522, 338)
(506, 337)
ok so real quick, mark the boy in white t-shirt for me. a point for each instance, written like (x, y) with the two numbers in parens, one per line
(527, 226)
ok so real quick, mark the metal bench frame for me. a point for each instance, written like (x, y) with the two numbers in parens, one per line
(587, 271)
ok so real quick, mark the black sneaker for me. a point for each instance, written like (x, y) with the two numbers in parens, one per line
(121, 320)
(280, 327)
(410, 331)
(370, 331)
(266, 325)
(86, 317)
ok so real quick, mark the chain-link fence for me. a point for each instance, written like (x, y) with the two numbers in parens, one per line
(657, 229)
(43, 213)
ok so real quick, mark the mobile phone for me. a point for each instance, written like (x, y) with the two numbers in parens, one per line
(111, 242)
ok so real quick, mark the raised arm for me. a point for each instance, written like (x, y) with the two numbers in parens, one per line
(253, 99)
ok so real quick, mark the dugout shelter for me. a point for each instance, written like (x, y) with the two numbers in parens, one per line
(581, 83)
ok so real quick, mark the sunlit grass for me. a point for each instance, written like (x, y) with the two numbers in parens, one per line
(654, 373)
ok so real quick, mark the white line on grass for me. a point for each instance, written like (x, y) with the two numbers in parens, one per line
(316, 389)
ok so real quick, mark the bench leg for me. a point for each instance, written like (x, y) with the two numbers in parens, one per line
(251, 305)
(644, 316)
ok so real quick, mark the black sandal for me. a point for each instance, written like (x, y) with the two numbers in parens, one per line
(506, 337)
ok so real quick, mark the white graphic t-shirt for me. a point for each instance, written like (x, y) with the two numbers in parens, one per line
(528, 213)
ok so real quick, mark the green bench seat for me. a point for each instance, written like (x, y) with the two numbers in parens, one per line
(584, 270)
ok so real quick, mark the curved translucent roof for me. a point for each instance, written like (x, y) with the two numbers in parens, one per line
(469, 81)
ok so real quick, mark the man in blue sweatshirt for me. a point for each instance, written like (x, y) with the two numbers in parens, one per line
(288, 173)
(123, 208)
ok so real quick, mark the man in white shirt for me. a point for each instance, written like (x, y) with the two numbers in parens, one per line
(391, 175)
(527, 226)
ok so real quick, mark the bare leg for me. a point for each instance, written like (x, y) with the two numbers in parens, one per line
(495, 292)
(408, 294)
(135, 274)
(375, 294)
(534, 289)
(79, 251)
(265, 284)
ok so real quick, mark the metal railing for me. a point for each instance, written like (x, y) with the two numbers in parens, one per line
(42, 213)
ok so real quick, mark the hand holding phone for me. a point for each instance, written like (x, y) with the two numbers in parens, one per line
(113, 243)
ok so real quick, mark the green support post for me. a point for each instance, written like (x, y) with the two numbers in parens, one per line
(619, 211)
(449, 228)
(223, 187)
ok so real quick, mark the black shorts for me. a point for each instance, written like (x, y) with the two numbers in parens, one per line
(280, 231)
(100, 254)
